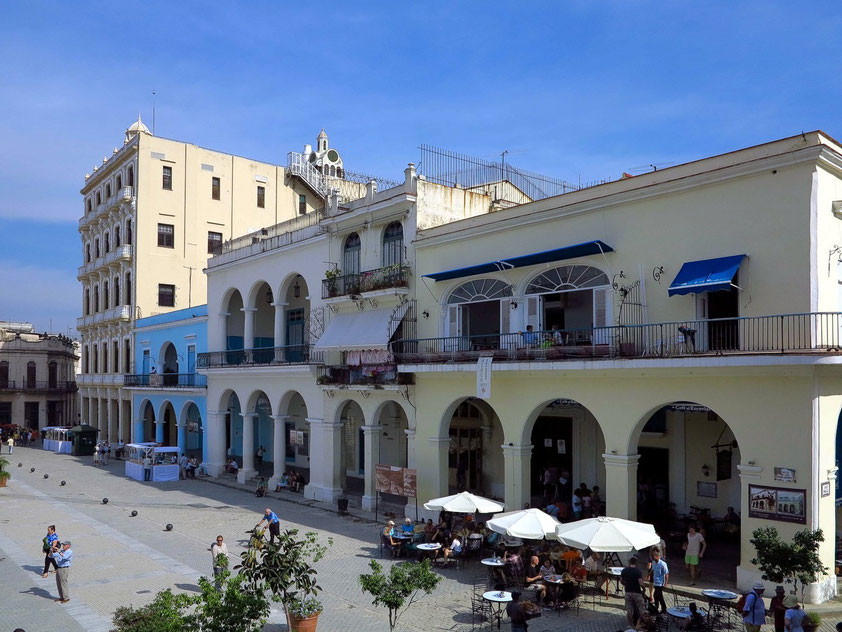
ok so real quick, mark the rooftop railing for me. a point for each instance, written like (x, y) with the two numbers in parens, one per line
(817, 332)
(266, 356)
(382, 278)
(166, 380)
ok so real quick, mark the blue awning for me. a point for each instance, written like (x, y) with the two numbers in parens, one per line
(545, 256)
(709, 275)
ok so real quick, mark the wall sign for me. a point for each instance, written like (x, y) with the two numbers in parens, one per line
(785, 475)
(484, 377)
(825, 489)
(705, 489)
(391, 479)
(777, 503)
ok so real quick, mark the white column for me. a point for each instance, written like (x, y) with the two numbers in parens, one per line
(325, 460)
(215, 459)
(621, 485)
(371, 437)
(516, 461)
(279, 448)
(248, 327)
(112, 419)
(247, 471)
(280, 332)
(439, 477)
(223, 331)
(120, 420)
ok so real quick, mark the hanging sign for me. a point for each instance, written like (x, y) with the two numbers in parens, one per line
(484, 377)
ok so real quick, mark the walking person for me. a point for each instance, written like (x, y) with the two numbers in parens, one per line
(660, 579)
(754, 610)
(147, 468)
(694, 550)
(182, 466)
(63, 558)
(795, 616)
(11, 443)
(48, 545)
(632, 579)
(96, 455)
(219, 564)
(271, 519)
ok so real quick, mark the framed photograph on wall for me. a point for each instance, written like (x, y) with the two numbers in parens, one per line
(705, 489)
(777, 503)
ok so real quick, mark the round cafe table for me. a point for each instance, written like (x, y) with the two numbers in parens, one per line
(498, 599)
(493, 564)
(428, 548)
(720, 604)
(613, 572)
(682, 612)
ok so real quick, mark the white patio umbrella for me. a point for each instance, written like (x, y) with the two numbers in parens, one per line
(606, 534)
(531, 524)
(464, 502)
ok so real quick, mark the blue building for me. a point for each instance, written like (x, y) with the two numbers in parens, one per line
(168, 396)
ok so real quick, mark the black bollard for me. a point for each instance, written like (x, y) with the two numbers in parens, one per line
(31, 469)
(20, 464)
(104, 501)
(169, 527)
(63, 483)
(134, 513)
(46, 476)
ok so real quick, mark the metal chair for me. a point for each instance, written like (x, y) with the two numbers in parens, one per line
(480, 610)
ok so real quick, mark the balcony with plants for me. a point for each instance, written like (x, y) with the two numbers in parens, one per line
(335, 284)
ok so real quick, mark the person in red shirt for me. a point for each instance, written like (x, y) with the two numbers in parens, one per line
(579, 572)
(777, 609)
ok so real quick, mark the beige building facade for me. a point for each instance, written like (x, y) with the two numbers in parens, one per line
(37, 377)
(153, 211)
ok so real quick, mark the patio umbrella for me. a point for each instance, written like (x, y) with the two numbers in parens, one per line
(464, 502)
(531, 524)
(608, 534)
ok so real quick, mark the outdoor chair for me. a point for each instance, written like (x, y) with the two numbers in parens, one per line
(480, 610)
(594, 590)
(472, 547)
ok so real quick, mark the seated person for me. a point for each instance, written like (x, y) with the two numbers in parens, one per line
(454, 550)
(569, 555)
(283, 482)
(555, 553)
(389, 534)
(429, 530)
(695, 621)
(547, 567)
(260, 492)
(556, 334)
(297, 482)
(407, 527)
(567, 591)
(552, 509)
(190, 469)
(579, 572)
(231, 467)
(203, 468)
(534, 579)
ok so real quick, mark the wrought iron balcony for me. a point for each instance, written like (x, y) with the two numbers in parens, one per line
(818, 332)
(380, 279)
(166, 380)
(32, 385)
(376, 376)
(292, 354)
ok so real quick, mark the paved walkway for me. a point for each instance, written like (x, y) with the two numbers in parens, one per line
(123, 560)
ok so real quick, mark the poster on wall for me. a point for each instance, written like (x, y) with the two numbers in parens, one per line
(484, 377)
(705, 489)
(825, 489)
(391, 479)
(785, 475)
(562, 446)
(777, 503)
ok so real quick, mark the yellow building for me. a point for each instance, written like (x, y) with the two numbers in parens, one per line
(153, 212)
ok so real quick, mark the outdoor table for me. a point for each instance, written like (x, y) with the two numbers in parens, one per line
(682, 612)
(493, 564)
(428, 547)
(612, 572)
(497, 598)
(720, 604)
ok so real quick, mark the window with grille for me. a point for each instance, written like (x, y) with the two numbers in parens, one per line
(167, 178)
(351, 255)
(393, 245)
(261, 197)
(117, 236)
(129, 232)
(128, 289)
(166, 235)
(96, 247)
(214, 243)
(214, 188)
(166, 295)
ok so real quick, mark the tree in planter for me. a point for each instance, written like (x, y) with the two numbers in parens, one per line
(285, 568)
(403, 582)
(795, 562)
(4, 474)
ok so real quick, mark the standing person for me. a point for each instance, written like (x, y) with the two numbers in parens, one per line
(516, 614)
(49, 543)
(219, 548)
(63, 558)
(272, 521)
(632, 579)
(549, 486)
(694, 550)
(147, 468)
(106, 452)
(11, 443)
(660, 579)
(182, 466)
(777, 609)
(564, 486)
(577, 504)
(96, 455)
(258, 457)
(794, 614)
(754, 611)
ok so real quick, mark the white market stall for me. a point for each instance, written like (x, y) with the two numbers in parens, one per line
(162, 467)
(56, 439)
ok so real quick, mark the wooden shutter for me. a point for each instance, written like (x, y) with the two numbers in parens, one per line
(533, 312)
(602, 315)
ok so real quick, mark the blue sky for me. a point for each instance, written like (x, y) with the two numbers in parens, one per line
(572, 89)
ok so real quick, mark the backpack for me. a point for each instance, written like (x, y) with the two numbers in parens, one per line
(741, 603)
(45, 544)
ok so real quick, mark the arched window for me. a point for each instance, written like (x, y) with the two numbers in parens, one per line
(88, 205)
(105, 295)
(107, 190)
(30, 374)
(87, 301)
(117, 236)
(119, 182)
(129, 232)
(52, 374)
(107, 242)
(96, 247)
(130, 177)
(351, 255)
(105, 357)
(575, 300)
(88, 253)
(127, 290)
(98, 198)
(85, 359)
(4, 374)
(393, 245)
(480, 309)
(96, 359)
(116, 291)
(96, 298)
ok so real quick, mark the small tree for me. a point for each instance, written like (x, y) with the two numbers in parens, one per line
(164, 614)
(795, 562)
(229, 608)
(404, 582)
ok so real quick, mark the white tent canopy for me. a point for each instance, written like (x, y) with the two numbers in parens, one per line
(606, 534)
(464, 502)
(531, 524)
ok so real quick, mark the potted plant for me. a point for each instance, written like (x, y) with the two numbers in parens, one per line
(811, 622)
(4, 475)
(332, 278)
(285, 568)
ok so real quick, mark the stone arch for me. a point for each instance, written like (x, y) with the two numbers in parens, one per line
(235, 322)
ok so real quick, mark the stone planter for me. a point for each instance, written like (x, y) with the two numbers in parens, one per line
(302, 625)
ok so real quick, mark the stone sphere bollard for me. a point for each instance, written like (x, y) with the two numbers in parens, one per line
(20, 464)
(63, 483)
(31, 469)
(169, 527)
(104, 501)
(46, 476)
(134, 513)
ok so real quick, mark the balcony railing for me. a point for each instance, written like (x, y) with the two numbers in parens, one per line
(166, 380)
(379, 279)
(121, 253)
(819, 332)
(375, 376)
(27, 385)
(292, 354)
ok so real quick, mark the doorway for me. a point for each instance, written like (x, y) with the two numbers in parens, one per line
(653, 471)
(482, 319)
(295, 335)
(552, 440)
(724, 334)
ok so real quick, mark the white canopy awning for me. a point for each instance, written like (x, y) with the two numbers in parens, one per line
(532, 524)
(360, 331)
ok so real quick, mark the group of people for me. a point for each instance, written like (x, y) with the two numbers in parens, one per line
(59, 556)
(102, 452)
(17, 436)
(565, 503)
(786, 611)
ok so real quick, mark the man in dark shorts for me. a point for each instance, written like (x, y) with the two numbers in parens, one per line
(271, 519)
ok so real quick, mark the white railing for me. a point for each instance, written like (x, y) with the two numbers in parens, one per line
(125, 194)
(299, 165)
(121, 252)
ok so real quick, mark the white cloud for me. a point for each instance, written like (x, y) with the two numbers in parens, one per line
(39, 295)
